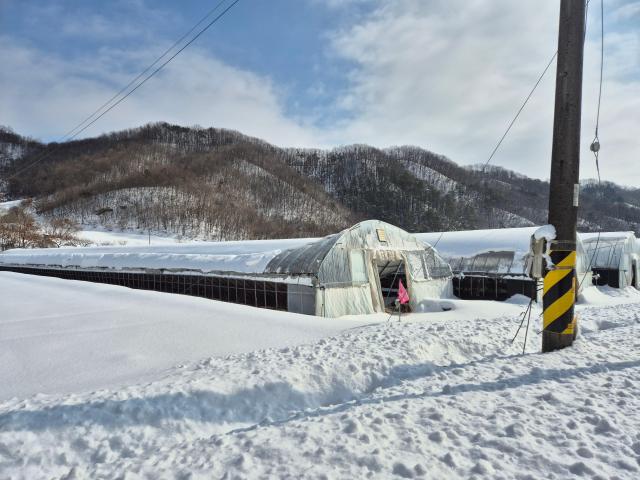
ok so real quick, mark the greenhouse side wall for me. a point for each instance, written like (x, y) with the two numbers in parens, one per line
(245, 291)
(336, 301)
(301, 299)
(491, 287)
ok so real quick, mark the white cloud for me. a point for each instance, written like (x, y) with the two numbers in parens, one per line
(628, 11)
(342, 3)
(48, 94)
(449, 76)
(97, 27)
(123, 19)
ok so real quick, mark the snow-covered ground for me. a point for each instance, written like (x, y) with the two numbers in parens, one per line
(60, 336)
(100, 236)
(442, 395)
(123, 237)
(6, 206)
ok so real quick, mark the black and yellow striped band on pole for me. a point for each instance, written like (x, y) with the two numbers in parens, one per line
(559, 296)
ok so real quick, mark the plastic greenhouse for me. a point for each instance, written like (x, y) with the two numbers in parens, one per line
(495, 264)
(614, 258)
(356, 271)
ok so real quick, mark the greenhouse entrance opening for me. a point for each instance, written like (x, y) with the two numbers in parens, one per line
(390, 274)
(606, 277)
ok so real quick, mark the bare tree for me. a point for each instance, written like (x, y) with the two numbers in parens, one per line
(59, 232)
(19, 229)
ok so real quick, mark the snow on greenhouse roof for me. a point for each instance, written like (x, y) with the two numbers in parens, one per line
(503, 251)
(498, 250)
(607, 236)
(468, 243)
(251, 256)
(283, 257)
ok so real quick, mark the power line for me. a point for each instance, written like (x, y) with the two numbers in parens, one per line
(595, 144)
(437, 241)
(157, 69)
(126, 87)
(524, 104)
(153, 73)
(513, 121)
(164, 54)
(601, 66)
(535, 86)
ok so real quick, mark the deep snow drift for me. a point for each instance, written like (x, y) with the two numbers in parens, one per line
(61, 336)
(437, 396)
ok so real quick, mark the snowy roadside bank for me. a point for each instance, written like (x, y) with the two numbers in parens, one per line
(61, 336)
(438, 396)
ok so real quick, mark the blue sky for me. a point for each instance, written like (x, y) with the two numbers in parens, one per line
(446, 75)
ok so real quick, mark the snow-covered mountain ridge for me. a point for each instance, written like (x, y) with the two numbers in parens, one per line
(184, 181)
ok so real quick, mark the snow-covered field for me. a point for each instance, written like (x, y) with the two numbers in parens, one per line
(6, 206)
(122, 237)
(271, 395)
(60, 336)
(100, 236)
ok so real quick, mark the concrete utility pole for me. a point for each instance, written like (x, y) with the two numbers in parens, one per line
(559, 321)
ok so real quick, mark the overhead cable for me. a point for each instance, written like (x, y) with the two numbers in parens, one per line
(86, 125)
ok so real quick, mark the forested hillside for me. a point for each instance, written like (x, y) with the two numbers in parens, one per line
(220, 184)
